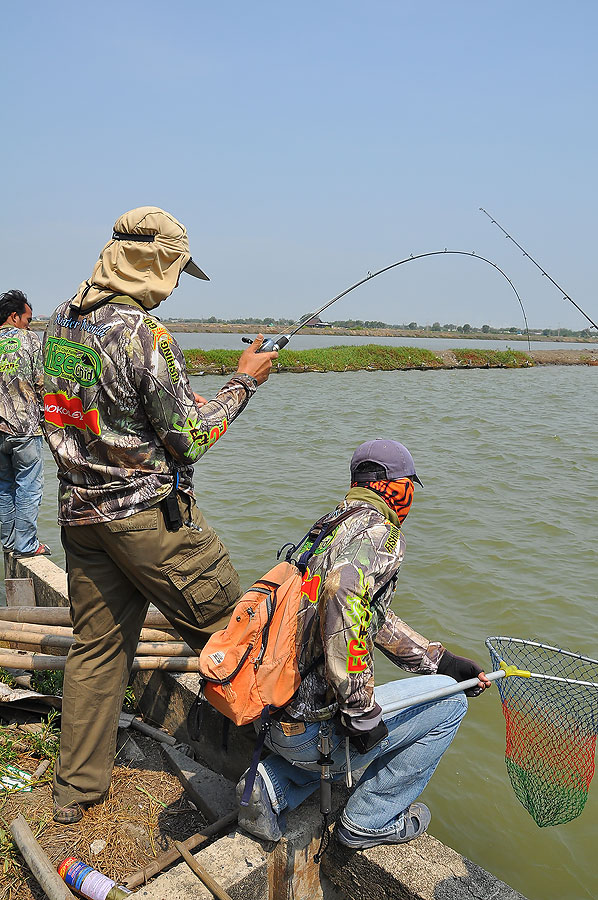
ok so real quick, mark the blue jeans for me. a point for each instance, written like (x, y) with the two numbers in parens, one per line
(396, 771)
(21, 488)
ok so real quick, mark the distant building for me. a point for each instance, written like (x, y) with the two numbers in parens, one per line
(314, 322)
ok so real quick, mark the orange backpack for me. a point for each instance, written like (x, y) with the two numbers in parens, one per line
(252, 663)
(251, 667)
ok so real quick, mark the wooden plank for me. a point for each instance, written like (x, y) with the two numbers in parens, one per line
(203, 875)
(140, 876)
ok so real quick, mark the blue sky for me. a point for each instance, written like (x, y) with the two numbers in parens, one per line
(303, 144)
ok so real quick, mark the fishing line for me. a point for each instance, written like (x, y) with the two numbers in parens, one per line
(283, 339)
(538, 266)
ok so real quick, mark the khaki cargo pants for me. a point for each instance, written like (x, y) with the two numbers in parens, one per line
(115, 570)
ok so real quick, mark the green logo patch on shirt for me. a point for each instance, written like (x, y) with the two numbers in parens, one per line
(9, 344)
(75, 362)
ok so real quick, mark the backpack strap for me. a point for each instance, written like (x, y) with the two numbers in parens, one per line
(257, 752)
(325, 530)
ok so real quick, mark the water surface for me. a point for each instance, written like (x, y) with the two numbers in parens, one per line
(500, 541)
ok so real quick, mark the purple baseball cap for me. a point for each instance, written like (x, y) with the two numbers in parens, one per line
(394, 458)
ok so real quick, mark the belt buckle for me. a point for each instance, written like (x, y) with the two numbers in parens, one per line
(292, 728)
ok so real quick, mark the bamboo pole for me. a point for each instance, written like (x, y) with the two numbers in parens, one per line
(204, 876)
(42, 869)
(37, 639)
(164, 648)
(147, 634)
(19, 659)
(16, 627)
(47, 642)
(154, 634)
(44, 764)
(140, 876)
(60, 615)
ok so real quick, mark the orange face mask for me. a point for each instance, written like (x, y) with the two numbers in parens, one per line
(398, 495)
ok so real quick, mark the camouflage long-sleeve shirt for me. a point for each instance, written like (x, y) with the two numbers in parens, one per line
(349, 587)
(119, 413)
(21, 381)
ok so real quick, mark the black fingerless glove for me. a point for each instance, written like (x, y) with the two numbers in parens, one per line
(364, 741)
(461, 669)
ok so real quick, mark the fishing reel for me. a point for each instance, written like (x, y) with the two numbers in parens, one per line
(270, 345)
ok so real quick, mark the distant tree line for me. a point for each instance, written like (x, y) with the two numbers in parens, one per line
(367, 324)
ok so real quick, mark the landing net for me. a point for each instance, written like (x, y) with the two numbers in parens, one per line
(551, 721)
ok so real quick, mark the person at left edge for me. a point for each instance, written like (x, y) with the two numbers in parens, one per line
(21, 461)
(125, 428)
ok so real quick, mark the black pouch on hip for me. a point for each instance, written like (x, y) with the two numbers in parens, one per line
(172, 514)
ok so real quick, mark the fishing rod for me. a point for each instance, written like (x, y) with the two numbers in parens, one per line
(538, 266)
(282, 340)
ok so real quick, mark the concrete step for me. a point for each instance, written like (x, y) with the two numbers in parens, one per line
(213, 794)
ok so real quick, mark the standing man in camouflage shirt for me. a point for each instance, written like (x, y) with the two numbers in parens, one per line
(125, 429)
(21, 463)
(348, 590)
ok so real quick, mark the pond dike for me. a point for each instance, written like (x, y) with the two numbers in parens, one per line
(423, 869)
(376, 358)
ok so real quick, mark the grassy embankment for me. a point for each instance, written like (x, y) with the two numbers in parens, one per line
(358, 358)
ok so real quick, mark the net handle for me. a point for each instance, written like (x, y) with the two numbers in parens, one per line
(440, 693)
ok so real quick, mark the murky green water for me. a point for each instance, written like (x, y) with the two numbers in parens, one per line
(501, 541)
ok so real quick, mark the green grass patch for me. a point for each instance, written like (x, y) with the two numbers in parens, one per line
(43, 743)
(47, 682)
(326, 359)
(7, 678)
(202, 359)
(350, 358)
(509, 359)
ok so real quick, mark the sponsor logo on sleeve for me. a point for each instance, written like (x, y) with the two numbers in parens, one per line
(201, 441)
(162, 341)
(360, 614)
(74, 362)
(391, 541)
(62, 411)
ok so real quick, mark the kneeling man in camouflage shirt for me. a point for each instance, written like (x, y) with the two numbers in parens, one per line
(346, 613)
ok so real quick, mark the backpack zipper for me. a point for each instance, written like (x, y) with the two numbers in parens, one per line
(271, 605)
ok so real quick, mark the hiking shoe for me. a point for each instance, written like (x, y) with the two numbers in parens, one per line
(68, 815)
(42, 550)
(258, 818)
(415, 821)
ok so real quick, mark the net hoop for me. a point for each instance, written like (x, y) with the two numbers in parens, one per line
(551, 719)
(558, 650)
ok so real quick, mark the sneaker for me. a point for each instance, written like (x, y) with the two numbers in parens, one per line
(68, 815)
(42, 550)
(258, 818)
(415, 821)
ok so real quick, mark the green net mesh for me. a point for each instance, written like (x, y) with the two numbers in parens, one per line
(551, 725)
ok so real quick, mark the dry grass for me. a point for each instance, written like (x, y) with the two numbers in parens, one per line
(145, 809)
